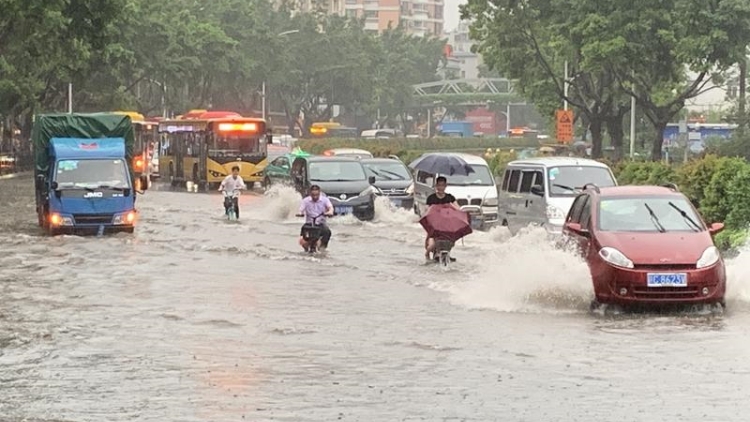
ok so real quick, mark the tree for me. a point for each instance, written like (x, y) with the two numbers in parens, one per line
(46, 44)
(651, 46)
(529, 42)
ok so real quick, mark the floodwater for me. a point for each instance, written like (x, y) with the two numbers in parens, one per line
(194, 318)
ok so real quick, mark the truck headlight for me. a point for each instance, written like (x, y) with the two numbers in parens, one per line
(58, 220)
(124, 218)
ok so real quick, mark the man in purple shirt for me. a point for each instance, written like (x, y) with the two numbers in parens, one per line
(316, 208)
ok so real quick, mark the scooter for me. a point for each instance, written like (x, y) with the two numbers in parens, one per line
(442, 253)
(312, 233)
(229, 204)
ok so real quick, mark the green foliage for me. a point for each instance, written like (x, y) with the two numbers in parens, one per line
(717, 203)
(648, 173)
(499, 161)
(695, 176)
(134, 54)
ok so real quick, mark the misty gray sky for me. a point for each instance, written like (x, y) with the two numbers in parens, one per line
(450, 14)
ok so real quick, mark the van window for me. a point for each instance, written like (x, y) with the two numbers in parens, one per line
(506, 180)
(515, 179)
(530, 178)
(425, 178)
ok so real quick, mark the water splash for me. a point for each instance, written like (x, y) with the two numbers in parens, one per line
(386, 212)
(280, 203)
(738, 278)
(526, 273)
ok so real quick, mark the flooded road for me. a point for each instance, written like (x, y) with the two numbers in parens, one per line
(194, 318)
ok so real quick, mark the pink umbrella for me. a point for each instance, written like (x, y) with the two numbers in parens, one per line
(445, 222)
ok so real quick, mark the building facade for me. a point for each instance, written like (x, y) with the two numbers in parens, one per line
(460, 45)
(335, 7)
(418, 17)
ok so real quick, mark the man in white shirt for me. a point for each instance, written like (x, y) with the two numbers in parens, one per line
(232, 183)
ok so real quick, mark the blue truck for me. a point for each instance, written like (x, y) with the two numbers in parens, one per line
(458, 129)
(84, 178)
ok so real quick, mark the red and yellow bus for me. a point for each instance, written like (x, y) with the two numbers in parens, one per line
(204, 147)
(146, 142)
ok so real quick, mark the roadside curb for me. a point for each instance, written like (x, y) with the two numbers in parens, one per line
(14, 175)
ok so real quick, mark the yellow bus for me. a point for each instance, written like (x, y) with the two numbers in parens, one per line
(332, 130)
(205, 148)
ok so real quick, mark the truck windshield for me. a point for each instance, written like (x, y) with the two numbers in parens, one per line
(98, 173)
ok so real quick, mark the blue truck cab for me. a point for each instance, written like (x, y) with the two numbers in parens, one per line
(458, 129)
(84, 176)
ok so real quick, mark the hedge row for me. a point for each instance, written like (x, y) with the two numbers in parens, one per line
(718, 186)
(413, 147)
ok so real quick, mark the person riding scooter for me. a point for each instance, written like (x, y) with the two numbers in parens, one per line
(439, 197)
(232, 184)
(315, 208)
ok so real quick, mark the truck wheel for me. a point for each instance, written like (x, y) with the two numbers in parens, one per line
(266, 183)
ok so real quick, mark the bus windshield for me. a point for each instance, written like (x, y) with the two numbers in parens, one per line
(232, 145)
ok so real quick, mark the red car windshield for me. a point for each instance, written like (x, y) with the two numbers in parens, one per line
(634, 214)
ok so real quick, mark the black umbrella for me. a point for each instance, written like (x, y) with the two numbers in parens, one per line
(447, 164)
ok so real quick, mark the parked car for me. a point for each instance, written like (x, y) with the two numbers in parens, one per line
(646, 245)
(348, 152)
(343, 179)
(393, 180)
(541, 190)
(476, 193)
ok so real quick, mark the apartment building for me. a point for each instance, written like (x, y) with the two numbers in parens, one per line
(460, 43)
(335, 7)
(418, 17)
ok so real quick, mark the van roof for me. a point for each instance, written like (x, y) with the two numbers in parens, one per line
(469, 158)
(558, 161)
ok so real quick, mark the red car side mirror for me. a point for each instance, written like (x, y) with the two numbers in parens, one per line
(715, 228)
(577, 229)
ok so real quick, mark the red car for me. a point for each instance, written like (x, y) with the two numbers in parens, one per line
(646, 245)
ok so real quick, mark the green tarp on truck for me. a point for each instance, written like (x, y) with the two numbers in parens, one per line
(79, 125)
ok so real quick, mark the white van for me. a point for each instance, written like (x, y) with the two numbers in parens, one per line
(541, 190)
(475, 193)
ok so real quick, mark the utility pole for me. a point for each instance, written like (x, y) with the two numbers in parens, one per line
(70, 98)
(565, 87)
(632, 127)
(263, 103)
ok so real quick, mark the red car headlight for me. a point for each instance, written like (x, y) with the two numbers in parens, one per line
(615, 257)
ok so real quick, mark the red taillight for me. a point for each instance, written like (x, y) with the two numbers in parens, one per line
(139, 164)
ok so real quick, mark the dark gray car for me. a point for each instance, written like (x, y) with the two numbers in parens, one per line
(393, 179)
(342, 179)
